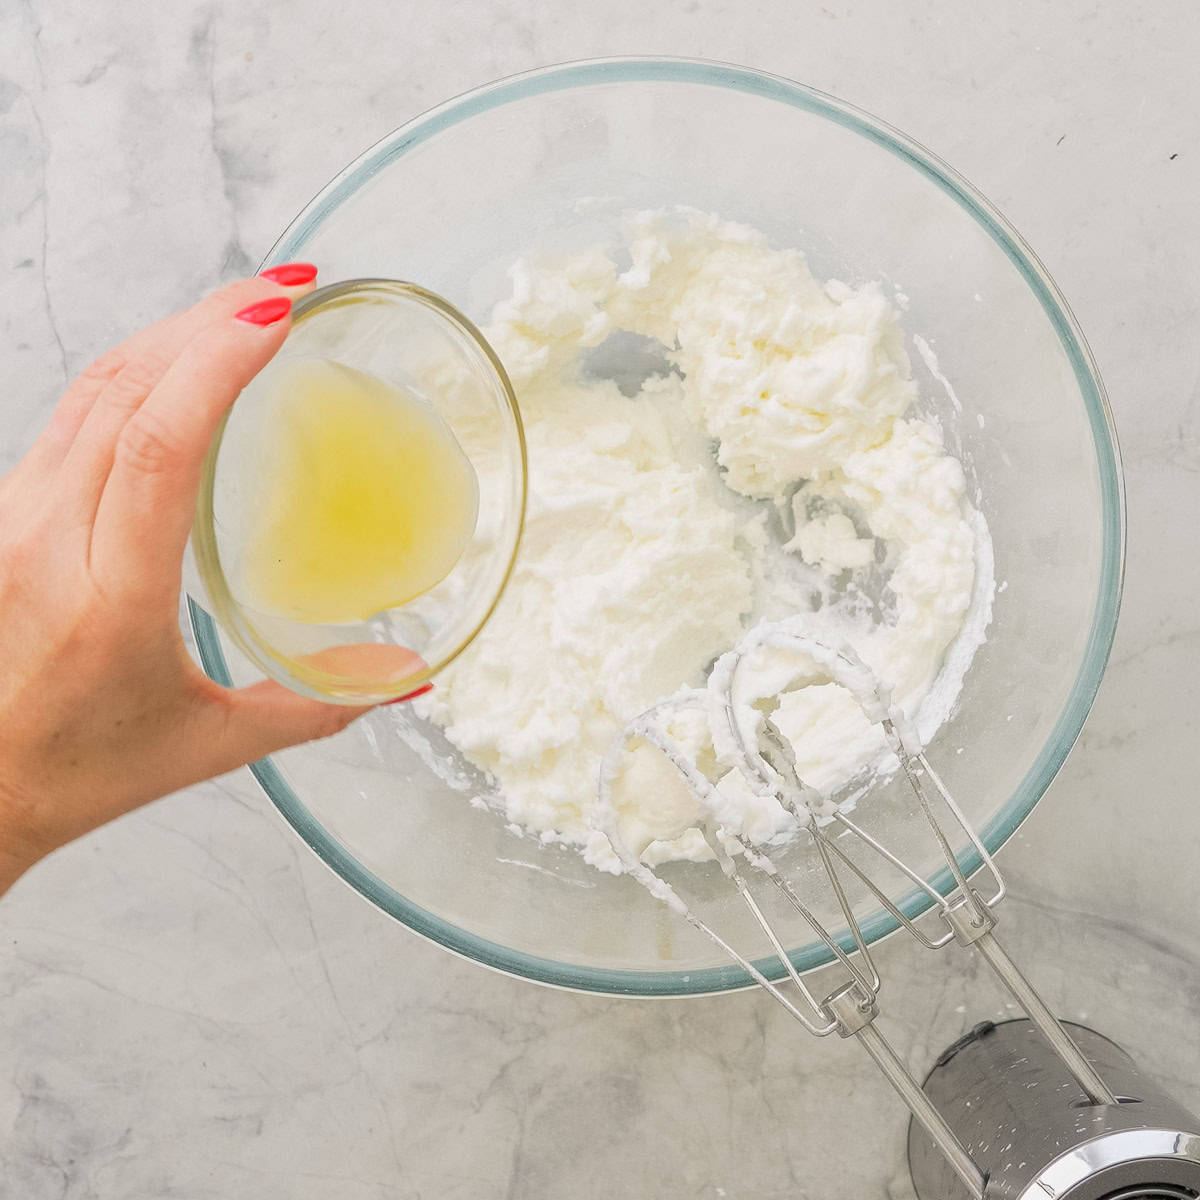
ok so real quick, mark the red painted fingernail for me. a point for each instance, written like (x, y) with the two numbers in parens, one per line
(426, 687)
(291, 274)
(266, 312)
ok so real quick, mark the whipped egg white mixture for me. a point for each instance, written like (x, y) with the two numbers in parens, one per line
(767, 460)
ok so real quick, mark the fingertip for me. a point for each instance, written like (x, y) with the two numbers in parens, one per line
(265, 312)
(270, 717)
(263, 299)
(291, 275)
(235, 297)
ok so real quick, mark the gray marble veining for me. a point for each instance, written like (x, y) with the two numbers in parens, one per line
(193, 1007)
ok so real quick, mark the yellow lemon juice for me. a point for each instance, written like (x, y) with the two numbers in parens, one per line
(367, 500)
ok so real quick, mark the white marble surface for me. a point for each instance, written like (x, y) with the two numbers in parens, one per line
(191, 1006)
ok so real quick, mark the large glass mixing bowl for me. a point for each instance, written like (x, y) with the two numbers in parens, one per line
(454, 196)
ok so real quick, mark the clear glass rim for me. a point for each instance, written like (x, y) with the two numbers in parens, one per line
(1107, 604)
(311, 681)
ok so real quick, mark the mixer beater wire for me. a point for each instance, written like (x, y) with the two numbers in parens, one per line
(746, 735)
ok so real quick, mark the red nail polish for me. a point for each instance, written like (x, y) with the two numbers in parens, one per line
(291, 274)
(266, 312)
(426, 687)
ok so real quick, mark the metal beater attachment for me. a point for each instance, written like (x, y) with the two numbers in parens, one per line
(745, 735)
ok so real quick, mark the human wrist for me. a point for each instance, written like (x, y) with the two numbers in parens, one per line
(17, 854)
(12, 864)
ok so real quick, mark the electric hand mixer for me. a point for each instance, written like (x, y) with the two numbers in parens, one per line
(1025, 1109)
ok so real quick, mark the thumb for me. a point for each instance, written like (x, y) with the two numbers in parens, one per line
(264, 717)
(267, 716)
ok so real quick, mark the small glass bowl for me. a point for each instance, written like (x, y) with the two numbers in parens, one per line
(413, 339)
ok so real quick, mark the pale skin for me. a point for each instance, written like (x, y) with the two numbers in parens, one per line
(101, 707)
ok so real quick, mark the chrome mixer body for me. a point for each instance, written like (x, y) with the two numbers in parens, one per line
(1019, 1116)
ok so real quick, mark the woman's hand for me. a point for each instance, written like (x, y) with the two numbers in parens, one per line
(101, 708)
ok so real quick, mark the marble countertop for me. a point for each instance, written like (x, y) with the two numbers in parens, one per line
(192, 1006)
